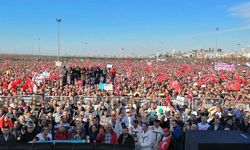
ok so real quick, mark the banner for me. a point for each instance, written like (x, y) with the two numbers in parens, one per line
(109, 65)
(58, 63)
(108, 87)
(224, 66)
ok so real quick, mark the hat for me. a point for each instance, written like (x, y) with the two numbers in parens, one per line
(84, 119)
(203, 86)
(127, 110)
(166, 130)
(194, 113)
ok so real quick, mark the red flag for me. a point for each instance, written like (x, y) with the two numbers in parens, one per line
(29, 84)
(175, 85)
(190, 94)
(160, 79)
(168, 99)
(53, 77)
(200, 82)
(212, 78)
(5, 85)
(222, 75)
(233, 87)
(147, 68)
(16, 83)
(5, 121)
(25, 85)
(79, 82)
(164, 145)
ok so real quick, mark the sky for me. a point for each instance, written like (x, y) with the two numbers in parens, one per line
(140, 27)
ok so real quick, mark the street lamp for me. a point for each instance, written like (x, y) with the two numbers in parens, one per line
(86, 43)
(58, 44)
(39, 48)
(217, 29)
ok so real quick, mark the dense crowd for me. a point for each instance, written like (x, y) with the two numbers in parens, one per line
(109, 118)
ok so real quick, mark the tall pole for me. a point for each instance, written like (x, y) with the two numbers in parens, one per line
(39, 48)
(83, 50)
(86, 43)
(217, 29)
(58, 44)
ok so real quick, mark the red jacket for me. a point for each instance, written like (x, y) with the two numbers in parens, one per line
(100, 137)
(62, 136)
(5, 122)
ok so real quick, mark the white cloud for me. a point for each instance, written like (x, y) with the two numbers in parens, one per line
(241, 10)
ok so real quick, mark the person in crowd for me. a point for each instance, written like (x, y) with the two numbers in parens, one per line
(28, 135)
(108, 136)
(63, 134)
(146, 138)
(176, 132)
(165, 140)
(93, 133)
(6, 137)
(203, 125)
(43, 136)
(126, 139)
(216, 126)
(157, 132)
(80, 134)
(128, 118)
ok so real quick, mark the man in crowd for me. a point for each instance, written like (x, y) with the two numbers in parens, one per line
(126, 139)
(6, 137)
(146, 138)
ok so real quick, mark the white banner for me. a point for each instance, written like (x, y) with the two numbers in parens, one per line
(224, 66)
(108, 87)
(58, 63)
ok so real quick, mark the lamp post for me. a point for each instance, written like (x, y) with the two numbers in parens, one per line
(217, 29)
(86, 43)
(58, 44)
(39, 48)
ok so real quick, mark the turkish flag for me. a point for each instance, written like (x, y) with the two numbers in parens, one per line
(233, 87)
(168, 99)
(175, 85)
(222, 75)
(212, 78)
(16, 83)
(147, 68)
(5, 85)
(200, 82)
(28, 84)
(164, 145)
(53, 77)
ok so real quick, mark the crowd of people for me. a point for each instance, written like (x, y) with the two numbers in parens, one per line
(109, 119)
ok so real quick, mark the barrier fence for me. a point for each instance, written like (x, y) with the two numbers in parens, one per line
(194, 104)
(65, 146)
(198, 103)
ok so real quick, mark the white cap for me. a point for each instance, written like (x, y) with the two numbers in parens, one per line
(127, 110)
(194, 113)
(84, 119)
(203, 85)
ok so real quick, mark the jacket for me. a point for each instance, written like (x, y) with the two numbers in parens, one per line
(220, 128)
(128, 141)
(11, 139)
(101, 136)
(146, 140)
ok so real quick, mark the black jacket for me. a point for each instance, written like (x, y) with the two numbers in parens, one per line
(128, 141)
(11, 139)
(220, 128)
(27, 137)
